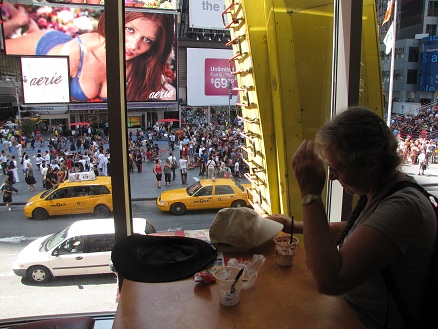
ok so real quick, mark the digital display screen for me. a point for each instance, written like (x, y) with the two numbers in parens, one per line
(78, 32)
(163, 4)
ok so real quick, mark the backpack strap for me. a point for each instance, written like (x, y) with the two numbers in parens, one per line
(386, 273)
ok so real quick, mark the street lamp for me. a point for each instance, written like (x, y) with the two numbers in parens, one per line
(230, 95)
(18, 103)
(17, 97)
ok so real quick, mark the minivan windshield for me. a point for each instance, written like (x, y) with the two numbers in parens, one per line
(54, 239)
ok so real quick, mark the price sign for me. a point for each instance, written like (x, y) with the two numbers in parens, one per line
(218, 78)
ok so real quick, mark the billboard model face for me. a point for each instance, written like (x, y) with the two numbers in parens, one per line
(79, 34)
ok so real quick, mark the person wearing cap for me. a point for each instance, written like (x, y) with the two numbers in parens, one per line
(385, 231)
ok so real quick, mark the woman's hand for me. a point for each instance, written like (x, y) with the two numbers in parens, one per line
(308, 169)
(282, 219)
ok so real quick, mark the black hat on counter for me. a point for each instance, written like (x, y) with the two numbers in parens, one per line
(147, 258)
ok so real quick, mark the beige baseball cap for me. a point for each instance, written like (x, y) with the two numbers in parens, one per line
(241, 229)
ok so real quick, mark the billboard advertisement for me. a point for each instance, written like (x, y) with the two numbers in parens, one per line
(428, 65)
(79, 33)
(161, 4)
(207, 14)
(43, 77)
(209, 77)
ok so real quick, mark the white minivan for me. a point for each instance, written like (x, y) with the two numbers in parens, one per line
(82, 248)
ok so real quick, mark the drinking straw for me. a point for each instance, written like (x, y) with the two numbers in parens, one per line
(291, 230)
(235, 281)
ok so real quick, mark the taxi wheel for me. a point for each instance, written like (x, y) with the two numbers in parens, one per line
(40, 213)
(238, 204)
(39, 274)
(178, 208)
(101, 211)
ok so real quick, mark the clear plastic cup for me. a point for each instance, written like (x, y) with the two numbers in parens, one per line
(285, 249)
(229, 289)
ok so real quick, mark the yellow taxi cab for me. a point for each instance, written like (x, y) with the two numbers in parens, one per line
(205, 194)
(83, 193)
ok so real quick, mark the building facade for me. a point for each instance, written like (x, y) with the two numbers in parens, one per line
(414, 65)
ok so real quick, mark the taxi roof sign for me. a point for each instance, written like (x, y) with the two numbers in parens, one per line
(81, 176)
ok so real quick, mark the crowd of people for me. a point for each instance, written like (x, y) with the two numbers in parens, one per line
(417, 136)
(54, 161)
(213, 149)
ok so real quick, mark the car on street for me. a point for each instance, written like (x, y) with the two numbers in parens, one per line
(205, 194)
(82, 193)
(82, 248)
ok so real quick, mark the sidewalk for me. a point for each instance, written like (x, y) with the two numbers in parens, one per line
(143, 185)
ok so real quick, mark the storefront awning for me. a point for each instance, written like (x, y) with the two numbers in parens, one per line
(169, 106)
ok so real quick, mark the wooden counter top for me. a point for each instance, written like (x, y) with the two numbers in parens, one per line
(281, 298)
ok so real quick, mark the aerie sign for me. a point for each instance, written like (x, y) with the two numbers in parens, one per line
(45, 79)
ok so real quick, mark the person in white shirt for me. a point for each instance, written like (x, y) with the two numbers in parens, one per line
(201, 150)
(19, 149)
(237, 169)
(38, 160)
(210, 167)
(422, 162)
(172, 160)
(46, 157)
(14, 169)
(25, 162)
(183, 165)
(44, 171)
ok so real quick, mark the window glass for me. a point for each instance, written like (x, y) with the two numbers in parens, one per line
(78, 191)
(100, 243)
(99, 189)
(59, 194)
(206, 190)
(224, 189)
(72, 245)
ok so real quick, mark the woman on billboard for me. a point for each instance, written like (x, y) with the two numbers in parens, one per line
(149, 40)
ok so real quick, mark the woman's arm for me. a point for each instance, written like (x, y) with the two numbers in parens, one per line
(365, 253)
(336, 228)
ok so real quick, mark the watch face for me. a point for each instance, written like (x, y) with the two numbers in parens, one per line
(309, 198)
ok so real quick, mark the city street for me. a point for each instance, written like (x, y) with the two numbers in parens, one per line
(95, 293)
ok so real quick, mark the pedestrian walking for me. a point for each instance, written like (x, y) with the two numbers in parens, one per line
(30, 178)
(14, 169)
(237, 169)
(139, 161)
(167, 172)
(422, 163)
(210, 167)
(7, 190)
(202, 168)
(174, 163)
(4, 161)
(183, 165)
(158, 171)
